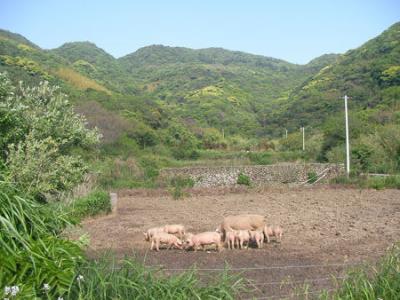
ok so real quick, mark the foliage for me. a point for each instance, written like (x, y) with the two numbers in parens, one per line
(105, 279)
(380, 282)
(312, 177)
(41, 129)
(30, 253)
(243, 179)
(96, 202)
(177, 184)
(38, 168)
(260, 158)
(375, 182)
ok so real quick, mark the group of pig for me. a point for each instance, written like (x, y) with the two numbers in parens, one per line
(235, 231)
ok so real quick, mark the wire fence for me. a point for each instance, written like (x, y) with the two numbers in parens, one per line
(289, 282)
(283, 267)
(291, 295)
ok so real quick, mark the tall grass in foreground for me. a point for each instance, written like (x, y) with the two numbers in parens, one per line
(372, 283)
(104, 279)
(31, 254)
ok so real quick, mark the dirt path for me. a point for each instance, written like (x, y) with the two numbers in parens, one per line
(323, 226)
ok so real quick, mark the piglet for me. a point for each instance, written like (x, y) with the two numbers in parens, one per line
(175, 229)
(273, 231)
(165, 238)
(150, 232)
(230, 238)
(205, 238)
(257, 237)
(242, 237)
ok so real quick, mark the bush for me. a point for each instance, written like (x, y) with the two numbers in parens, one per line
(95, 203)
(260, 158)
(38, 168)
(312, 177)
(243, 179)
(42, 130)
(177, 184)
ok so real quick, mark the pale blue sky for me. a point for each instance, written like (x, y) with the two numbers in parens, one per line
(296, 31)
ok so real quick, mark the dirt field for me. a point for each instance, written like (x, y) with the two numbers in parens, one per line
(326, 230)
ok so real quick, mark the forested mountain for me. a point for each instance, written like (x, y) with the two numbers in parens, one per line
(370, 75)
(241, 93)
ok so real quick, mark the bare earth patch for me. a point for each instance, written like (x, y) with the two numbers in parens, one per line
(326, 229)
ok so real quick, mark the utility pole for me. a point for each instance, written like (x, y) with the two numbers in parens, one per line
(347, 137)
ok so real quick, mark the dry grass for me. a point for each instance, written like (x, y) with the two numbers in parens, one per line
(80, 81)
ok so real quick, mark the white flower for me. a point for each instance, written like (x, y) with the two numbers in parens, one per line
(14, 290)
(7, 290)
(60, 298)
(46, 287)
(79, 278)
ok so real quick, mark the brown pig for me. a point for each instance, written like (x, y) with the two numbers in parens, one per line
(203, 239)
(165, 238)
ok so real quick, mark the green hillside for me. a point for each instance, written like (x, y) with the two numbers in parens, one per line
(176, 101)
(370, 75)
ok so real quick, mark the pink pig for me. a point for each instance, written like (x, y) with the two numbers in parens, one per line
(205, 238)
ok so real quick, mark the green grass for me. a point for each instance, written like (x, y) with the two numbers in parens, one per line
(243, 179)
(178, 184)
(370, 282)
(93, 204)
(129, 279)
(374, 182)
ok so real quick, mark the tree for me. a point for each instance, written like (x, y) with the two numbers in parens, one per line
(39, 131)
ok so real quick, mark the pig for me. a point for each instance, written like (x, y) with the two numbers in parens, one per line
(257, 237)
(241, 222)
(165, 238)
(230, 239)
(150, 232)
(275, 231)
(175, 229)
(242, 237)
(205, 238)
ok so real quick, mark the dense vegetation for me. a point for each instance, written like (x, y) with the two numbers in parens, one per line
(161, 105)
(40, 164)
(165, 106)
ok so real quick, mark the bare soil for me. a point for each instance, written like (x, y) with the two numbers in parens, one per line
(326, 230)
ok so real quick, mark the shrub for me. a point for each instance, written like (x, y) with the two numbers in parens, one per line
(243, 179)
(177, 184)
(90, 205)
(42, 130)
(312, 177)
(38, 168)
(260, 158)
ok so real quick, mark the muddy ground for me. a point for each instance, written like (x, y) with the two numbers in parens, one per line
(326, 230)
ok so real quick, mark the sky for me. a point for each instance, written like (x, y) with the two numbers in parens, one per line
(296, 31)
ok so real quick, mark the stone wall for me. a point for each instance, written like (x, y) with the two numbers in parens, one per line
(259, 175)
